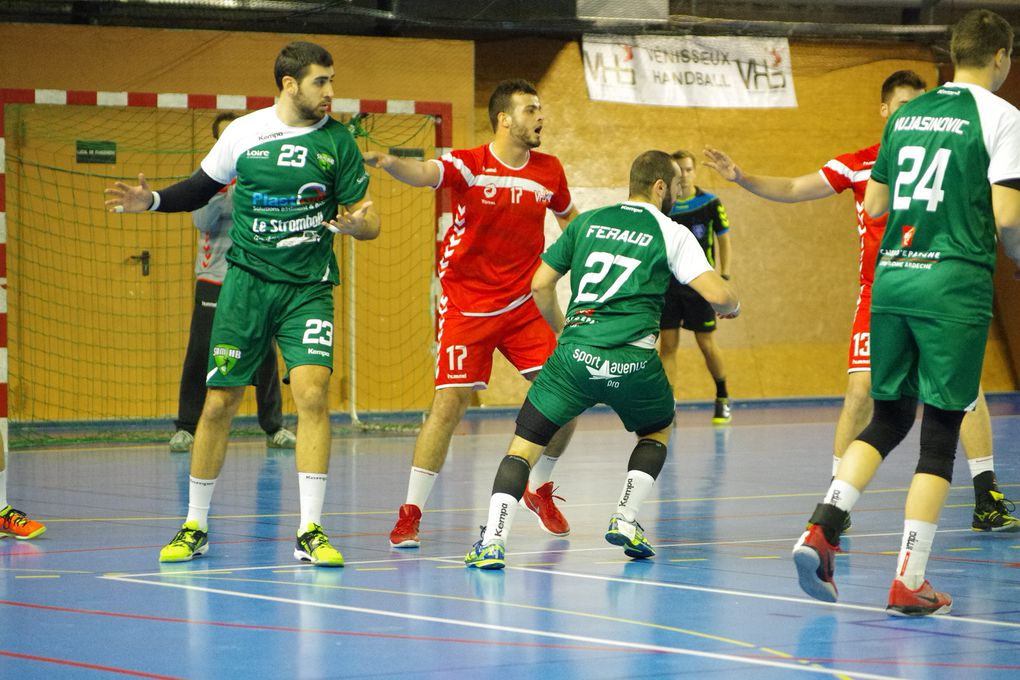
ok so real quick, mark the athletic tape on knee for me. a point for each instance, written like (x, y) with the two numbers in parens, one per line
(940, 432)
(512, 476)
(890, 423)
(648, 457)
(533, 425)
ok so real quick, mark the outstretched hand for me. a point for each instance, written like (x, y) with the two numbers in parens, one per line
(376, 159)
(721, 163)
(351, 223)
(124, 198)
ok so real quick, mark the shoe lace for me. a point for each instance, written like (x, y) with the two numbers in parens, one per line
(315, 539)
(1002, 505)
(186, 537)
(548, 492)
(14, 517)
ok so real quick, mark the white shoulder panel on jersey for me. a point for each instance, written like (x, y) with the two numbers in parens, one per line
(1000, 126)
(686, 259)
(247, 132)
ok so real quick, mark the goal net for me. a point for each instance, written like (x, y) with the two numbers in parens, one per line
(98, 305)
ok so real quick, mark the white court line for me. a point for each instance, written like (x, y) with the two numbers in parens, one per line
(521, 631)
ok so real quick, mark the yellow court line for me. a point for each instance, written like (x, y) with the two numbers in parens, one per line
(376, 568)
(38, 576)
(963, 549)
(688, 559)
(48, 571)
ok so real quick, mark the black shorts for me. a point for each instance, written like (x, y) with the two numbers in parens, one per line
(684, 308)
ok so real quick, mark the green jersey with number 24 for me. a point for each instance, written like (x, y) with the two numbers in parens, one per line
(939, 156)
(620, 259)
(289, 181)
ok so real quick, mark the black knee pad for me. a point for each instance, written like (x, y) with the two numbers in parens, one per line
(648, 457)
(512, 476)
(940, 432)
(890, 423)
(534, 426)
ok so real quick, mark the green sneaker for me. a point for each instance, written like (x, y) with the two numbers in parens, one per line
(313, 546)
(190, 542)
(630, 535)
(491, 556)
(992, 513)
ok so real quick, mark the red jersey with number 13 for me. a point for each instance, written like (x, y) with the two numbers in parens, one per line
(493, 247)
(852, 171)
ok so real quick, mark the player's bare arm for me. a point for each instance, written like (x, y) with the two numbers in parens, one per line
(1006, 206)
(407, 170)
(782, 189)
(876, 198)
(718, 292)
(566, 219)
(359, 220)
(543, 289)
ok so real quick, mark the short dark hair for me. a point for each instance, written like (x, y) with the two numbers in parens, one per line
(648, 168)
(905, 78)
(295, 58)
(501, 100)
(220, 122)
(681, 154)
(978, 36)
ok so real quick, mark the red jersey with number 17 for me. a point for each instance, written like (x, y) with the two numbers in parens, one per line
(493, 247)
(852, 171)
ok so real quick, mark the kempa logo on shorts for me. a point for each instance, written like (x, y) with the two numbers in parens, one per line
(225, 357)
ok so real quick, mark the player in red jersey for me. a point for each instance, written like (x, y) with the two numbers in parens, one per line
(501, 192)
(852, 171)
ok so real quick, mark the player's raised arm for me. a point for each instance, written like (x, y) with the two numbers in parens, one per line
(407, 170)
(782, 189)
(185, 196)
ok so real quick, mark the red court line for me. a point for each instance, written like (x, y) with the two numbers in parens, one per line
(90, 666)
(289, 629)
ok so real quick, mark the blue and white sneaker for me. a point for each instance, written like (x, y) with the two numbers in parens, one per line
(630, 535)
(488, 556)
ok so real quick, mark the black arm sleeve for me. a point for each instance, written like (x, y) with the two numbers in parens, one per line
(1010, 183)
(190, 194)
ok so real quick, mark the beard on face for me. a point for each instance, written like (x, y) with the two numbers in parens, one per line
(667, 202)
(305, 108)
(527, 136)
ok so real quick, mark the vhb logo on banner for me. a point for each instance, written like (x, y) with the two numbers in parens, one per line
(689, 71)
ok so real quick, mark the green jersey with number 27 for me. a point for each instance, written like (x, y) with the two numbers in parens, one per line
(289, 181)
(939, 156)
(620, 259)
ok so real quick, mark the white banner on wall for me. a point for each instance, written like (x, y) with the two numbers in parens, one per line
(689, 71)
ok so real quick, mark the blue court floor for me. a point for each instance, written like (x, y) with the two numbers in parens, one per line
(719, 600)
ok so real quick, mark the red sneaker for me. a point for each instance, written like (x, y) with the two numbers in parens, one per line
(405, 531)
(15, 523)
(921, 602)
(541, 503)
(815, 560)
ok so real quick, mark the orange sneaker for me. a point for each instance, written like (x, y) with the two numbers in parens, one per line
(540, 501)
(15, 523)
(405, 531)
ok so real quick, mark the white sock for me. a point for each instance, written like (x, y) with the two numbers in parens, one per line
(541, 472)
(914, 552)
(419, 486)
(835, 465)
(979, 465)
(200, 493)
(3, 488)
(842, 495)
(312, 492)
(502, 509)
(635, 491)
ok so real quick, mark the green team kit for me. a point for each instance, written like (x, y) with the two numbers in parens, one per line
(621, 259)
(939, 156)
(282, 266)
